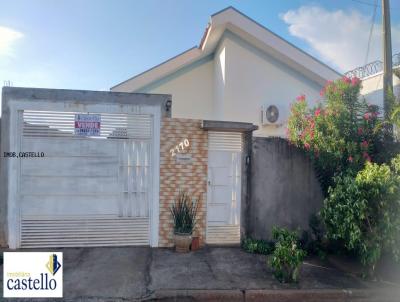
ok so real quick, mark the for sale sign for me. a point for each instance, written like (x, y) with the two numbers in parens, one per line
(87, 124)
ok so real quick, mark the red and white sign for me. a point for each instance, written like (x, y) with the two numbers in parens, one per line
(87, 124)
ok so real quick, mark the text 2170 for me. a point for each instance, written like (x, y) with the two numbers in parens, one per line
(180, 147)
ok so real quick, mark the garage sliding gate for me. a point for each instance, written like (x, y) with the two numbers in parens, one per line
(85, 191)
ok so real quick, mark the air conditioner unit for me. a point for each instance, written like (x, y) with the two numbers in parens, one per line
(271, 115)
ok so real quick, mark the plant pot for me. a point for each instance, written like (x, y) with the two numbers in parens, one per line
(182, 242)
(195, 243)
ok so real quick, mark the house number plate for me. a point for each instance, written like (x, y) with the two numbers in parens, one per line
(183, 158)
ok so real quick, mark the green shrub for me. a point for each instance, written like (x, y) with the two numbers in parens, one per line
(258, 246)
(364, 212)
(184, 211)
(287, 257)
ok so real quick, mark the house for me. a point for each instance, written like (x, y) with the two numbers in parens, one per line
(371, 76)
(241, 71)
(97, 168)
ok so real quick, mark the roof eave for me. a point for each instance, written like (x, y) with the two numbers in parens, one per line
(253, 32)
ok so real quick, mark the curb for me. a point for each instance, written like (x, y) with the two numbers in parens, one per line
(250, 295)
(287, 295)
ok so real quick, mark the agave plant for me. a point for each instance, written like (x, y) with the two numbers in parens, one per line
(184, 211)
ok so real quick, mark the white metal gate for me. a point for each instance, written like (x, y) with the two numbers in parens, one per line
(91, 191)
(224, 187)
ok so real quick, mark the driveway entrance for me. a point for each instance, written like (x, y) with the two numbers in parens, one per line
(85, 191)
(94, 176)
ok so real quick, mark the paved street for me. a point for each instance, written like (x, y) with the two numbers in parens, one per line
(128, 274)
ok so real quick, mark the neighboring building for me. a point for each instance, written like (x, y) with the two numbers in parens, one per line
(372, 80)
(239, 68)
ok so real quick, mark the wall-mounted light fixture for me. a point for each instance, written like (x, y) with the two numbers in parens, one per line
(168, 105)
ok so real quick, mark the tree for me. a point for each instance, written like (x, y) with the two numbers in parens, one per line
(344, 136)
(338, 133)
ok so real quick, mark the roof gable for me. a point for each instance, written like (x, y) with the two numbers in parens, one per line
(250, 31)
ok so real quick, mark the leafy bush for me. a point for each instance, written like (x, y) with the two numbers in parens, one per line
(343, 135)
(287, 257)
(184, 211)
(257, 246)
(338, 134)
(363, 211)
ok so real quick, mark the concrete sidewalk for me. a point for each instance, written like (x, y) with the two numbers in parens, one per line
(212, 274)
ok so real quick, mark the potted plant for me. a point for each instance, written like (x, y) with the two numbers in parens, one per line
(184, 211)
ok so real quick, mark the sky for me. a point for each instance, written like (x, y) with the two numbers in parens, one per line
(96, 44)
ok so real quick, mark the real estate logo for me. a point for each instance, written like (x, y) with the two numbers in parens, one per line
(53, 265)
(33, 275)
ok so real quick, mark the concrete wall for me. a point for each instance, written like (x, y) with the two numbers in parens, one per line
(284, 188)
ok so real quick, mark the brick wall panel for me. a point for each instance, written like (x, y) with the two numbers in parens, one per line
(173, 176)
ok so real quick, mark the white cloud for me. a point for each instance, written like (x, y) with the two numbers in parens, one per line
(339, 37)
(8, 37)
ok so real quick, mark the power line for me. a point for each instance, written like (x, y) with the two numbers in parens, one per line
(371, 31)
(372, 4)
(366, 3)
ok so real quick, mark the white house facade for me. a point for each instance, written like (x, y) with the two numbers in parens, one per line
(372, 80)
(240, 72)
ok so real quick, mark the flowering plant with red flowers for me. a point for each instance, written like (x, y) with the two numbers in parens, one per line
(338, 133)
(345, 138)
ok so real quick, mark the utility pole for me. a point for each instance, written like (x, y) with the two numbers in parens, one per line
(387, 59)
